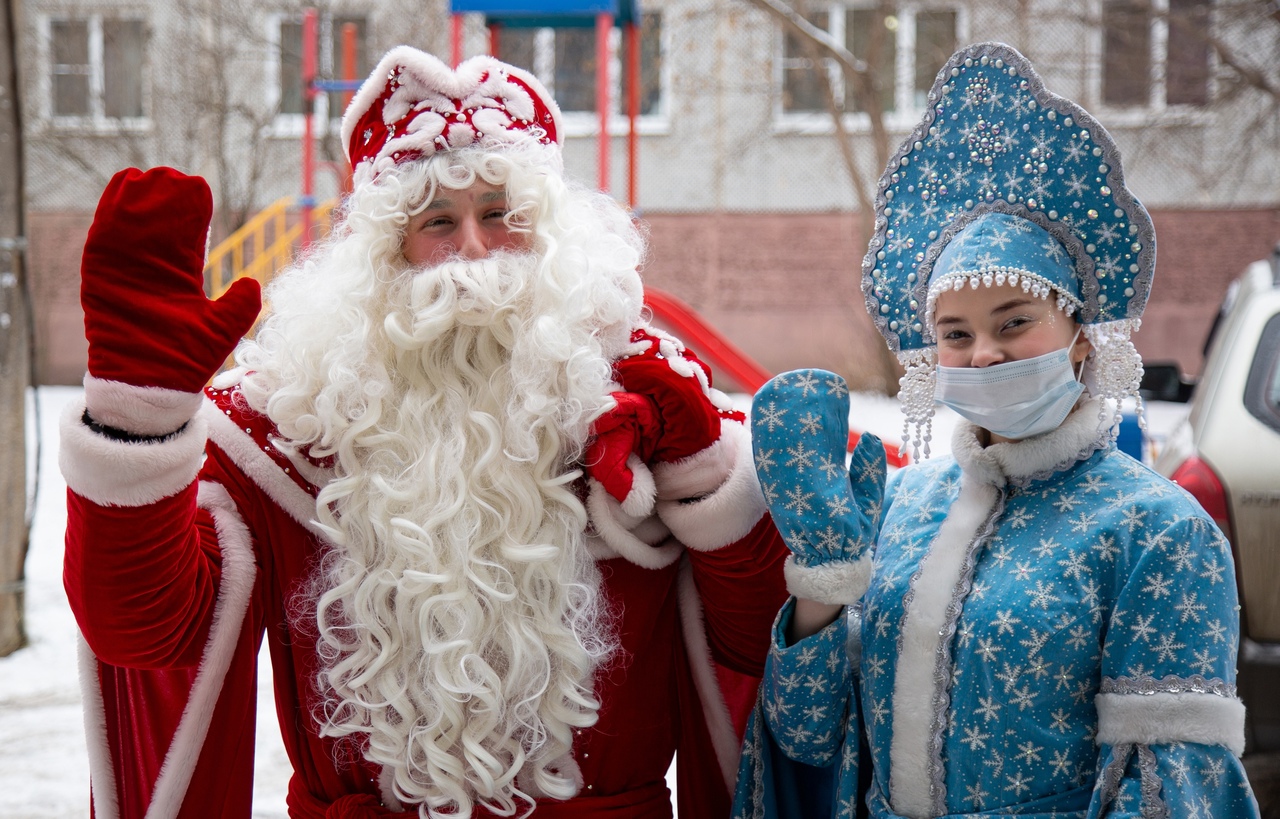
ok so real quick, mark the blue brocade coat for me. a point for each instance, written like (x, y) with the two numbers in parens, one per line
(1050, 630)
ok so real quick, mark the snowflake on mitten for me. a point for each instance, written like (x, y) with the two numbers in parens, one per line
(828, 513)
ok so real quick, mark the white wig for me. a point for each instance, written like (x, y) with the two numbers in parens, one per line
(458, 616)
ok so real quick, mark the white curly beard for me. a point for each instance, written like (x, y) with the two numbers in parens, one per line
(460, 617)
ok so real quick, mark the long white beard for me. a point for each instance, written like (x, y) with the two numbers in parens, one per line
(460, 619)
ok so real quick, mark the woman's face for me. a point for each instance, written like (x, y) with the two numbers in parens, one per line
(1001, 323)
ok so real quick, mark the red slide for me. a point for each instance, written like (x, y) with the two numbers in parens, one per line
(724, 356)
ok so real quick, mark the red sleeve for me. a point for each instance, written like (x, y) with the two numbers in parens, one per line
(142, 581)
(742, 588)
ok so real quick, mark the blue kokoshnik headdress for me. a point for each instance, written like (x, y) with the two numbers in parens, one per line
(1006, 182)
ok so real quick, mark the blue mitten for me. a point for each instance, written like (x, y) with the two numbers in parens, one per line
(828, 516)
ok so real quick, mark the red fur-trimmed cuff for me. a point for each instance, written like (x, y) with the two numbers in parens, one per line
(148, 411)
(642, 540)
(838, 583)
(723, 512)
(1159, 719)
(118, 473)
(702, 472)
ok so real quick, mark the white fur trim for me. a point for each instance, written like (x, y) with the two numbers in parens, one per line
(839, 584)
(238, 571)
(102, 775)
(621, 533)
(724, 739)
(996, 463)
(139, 410)
(387, 790)
(703, 471)
(914, 686)
(725, 515)
(234, 590)
(1158, 719)
(116, 473)
(639, 501)
(260, 467)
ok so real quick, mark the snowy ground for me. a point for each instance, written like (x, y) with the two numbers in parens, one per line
(44, 769)
(44, 772)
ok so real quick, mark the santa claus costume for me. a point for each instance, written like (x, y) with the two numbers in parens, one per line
(389, 489)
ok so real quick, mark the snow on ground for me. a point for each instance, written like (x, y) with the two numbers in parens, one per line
(44, 764)
(44, 770)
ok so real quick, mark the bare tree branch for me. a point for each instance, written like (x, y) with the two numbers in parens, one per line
(808, 32)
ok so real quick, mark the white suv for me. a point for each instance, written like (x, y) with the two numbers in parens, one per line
(1227, 454)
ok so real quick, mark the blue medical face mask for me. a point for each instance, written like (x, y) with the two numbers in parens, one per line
(1015, 400)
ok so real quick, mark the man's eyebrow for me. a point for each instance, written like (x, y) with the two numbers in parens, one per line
(440, 203)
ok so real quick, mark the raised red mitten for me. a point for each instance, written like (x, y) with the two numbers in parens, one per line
(631, 427)
(679, 384)
(146, 316)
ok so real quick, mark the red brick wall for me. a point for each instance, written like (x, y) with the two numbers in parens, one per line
(55, 242)
(1198, 254)
(783, 287)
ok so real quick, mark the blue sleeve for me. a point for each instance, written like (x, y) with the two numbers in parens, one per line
(808, 690)
(1170, 726)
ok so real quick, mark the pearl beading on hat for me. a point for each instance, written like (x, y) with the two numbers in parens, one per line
(1035, 285)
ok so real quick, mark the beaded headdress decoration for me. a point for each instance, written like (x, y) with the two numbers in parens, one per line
(414, 105)
(1004, 182)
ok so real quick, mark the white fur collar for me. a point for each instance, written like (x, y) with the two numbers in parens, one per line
(1086, 430)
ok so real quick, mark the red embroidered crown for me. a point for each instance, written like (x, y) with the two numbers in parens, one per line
(414, 105)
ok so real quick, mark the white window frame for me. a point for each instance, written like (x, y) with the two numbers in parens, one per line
(293, 126)
(587, 123)
(1157, 104)
(96, 121)
(906, 113)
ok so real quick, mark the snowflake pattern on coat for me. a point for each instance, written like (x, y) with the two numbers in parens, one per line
(1080, 659)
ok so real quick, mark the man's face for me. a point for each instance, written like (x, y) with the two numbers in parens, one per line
(467, 223)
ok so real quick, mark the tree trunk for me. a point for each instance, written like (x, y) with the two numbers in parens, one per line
(15, 344)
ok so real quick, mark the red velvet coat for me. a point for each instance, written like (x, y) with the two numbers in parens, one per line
(182, 555)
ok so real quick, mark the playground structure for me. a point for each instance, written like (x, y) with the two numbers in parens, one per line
(269, 241)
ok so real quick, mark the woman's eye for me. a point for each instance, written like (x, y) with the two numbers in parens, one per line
(496, 213)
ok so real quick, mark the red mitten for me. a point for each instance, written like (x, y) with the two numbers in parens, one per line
(680, 386)
(146, 316)
(630, 428)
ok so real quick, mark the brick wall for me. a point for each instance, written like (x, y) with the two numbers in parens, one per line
(55, 241)
(783, 287)
(1198, 254)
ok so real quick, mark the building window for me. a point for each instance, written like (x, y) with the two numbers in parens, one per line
(1155, 53)
(904, 48)
(564, 59)
(331, 62)
(96, 67)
